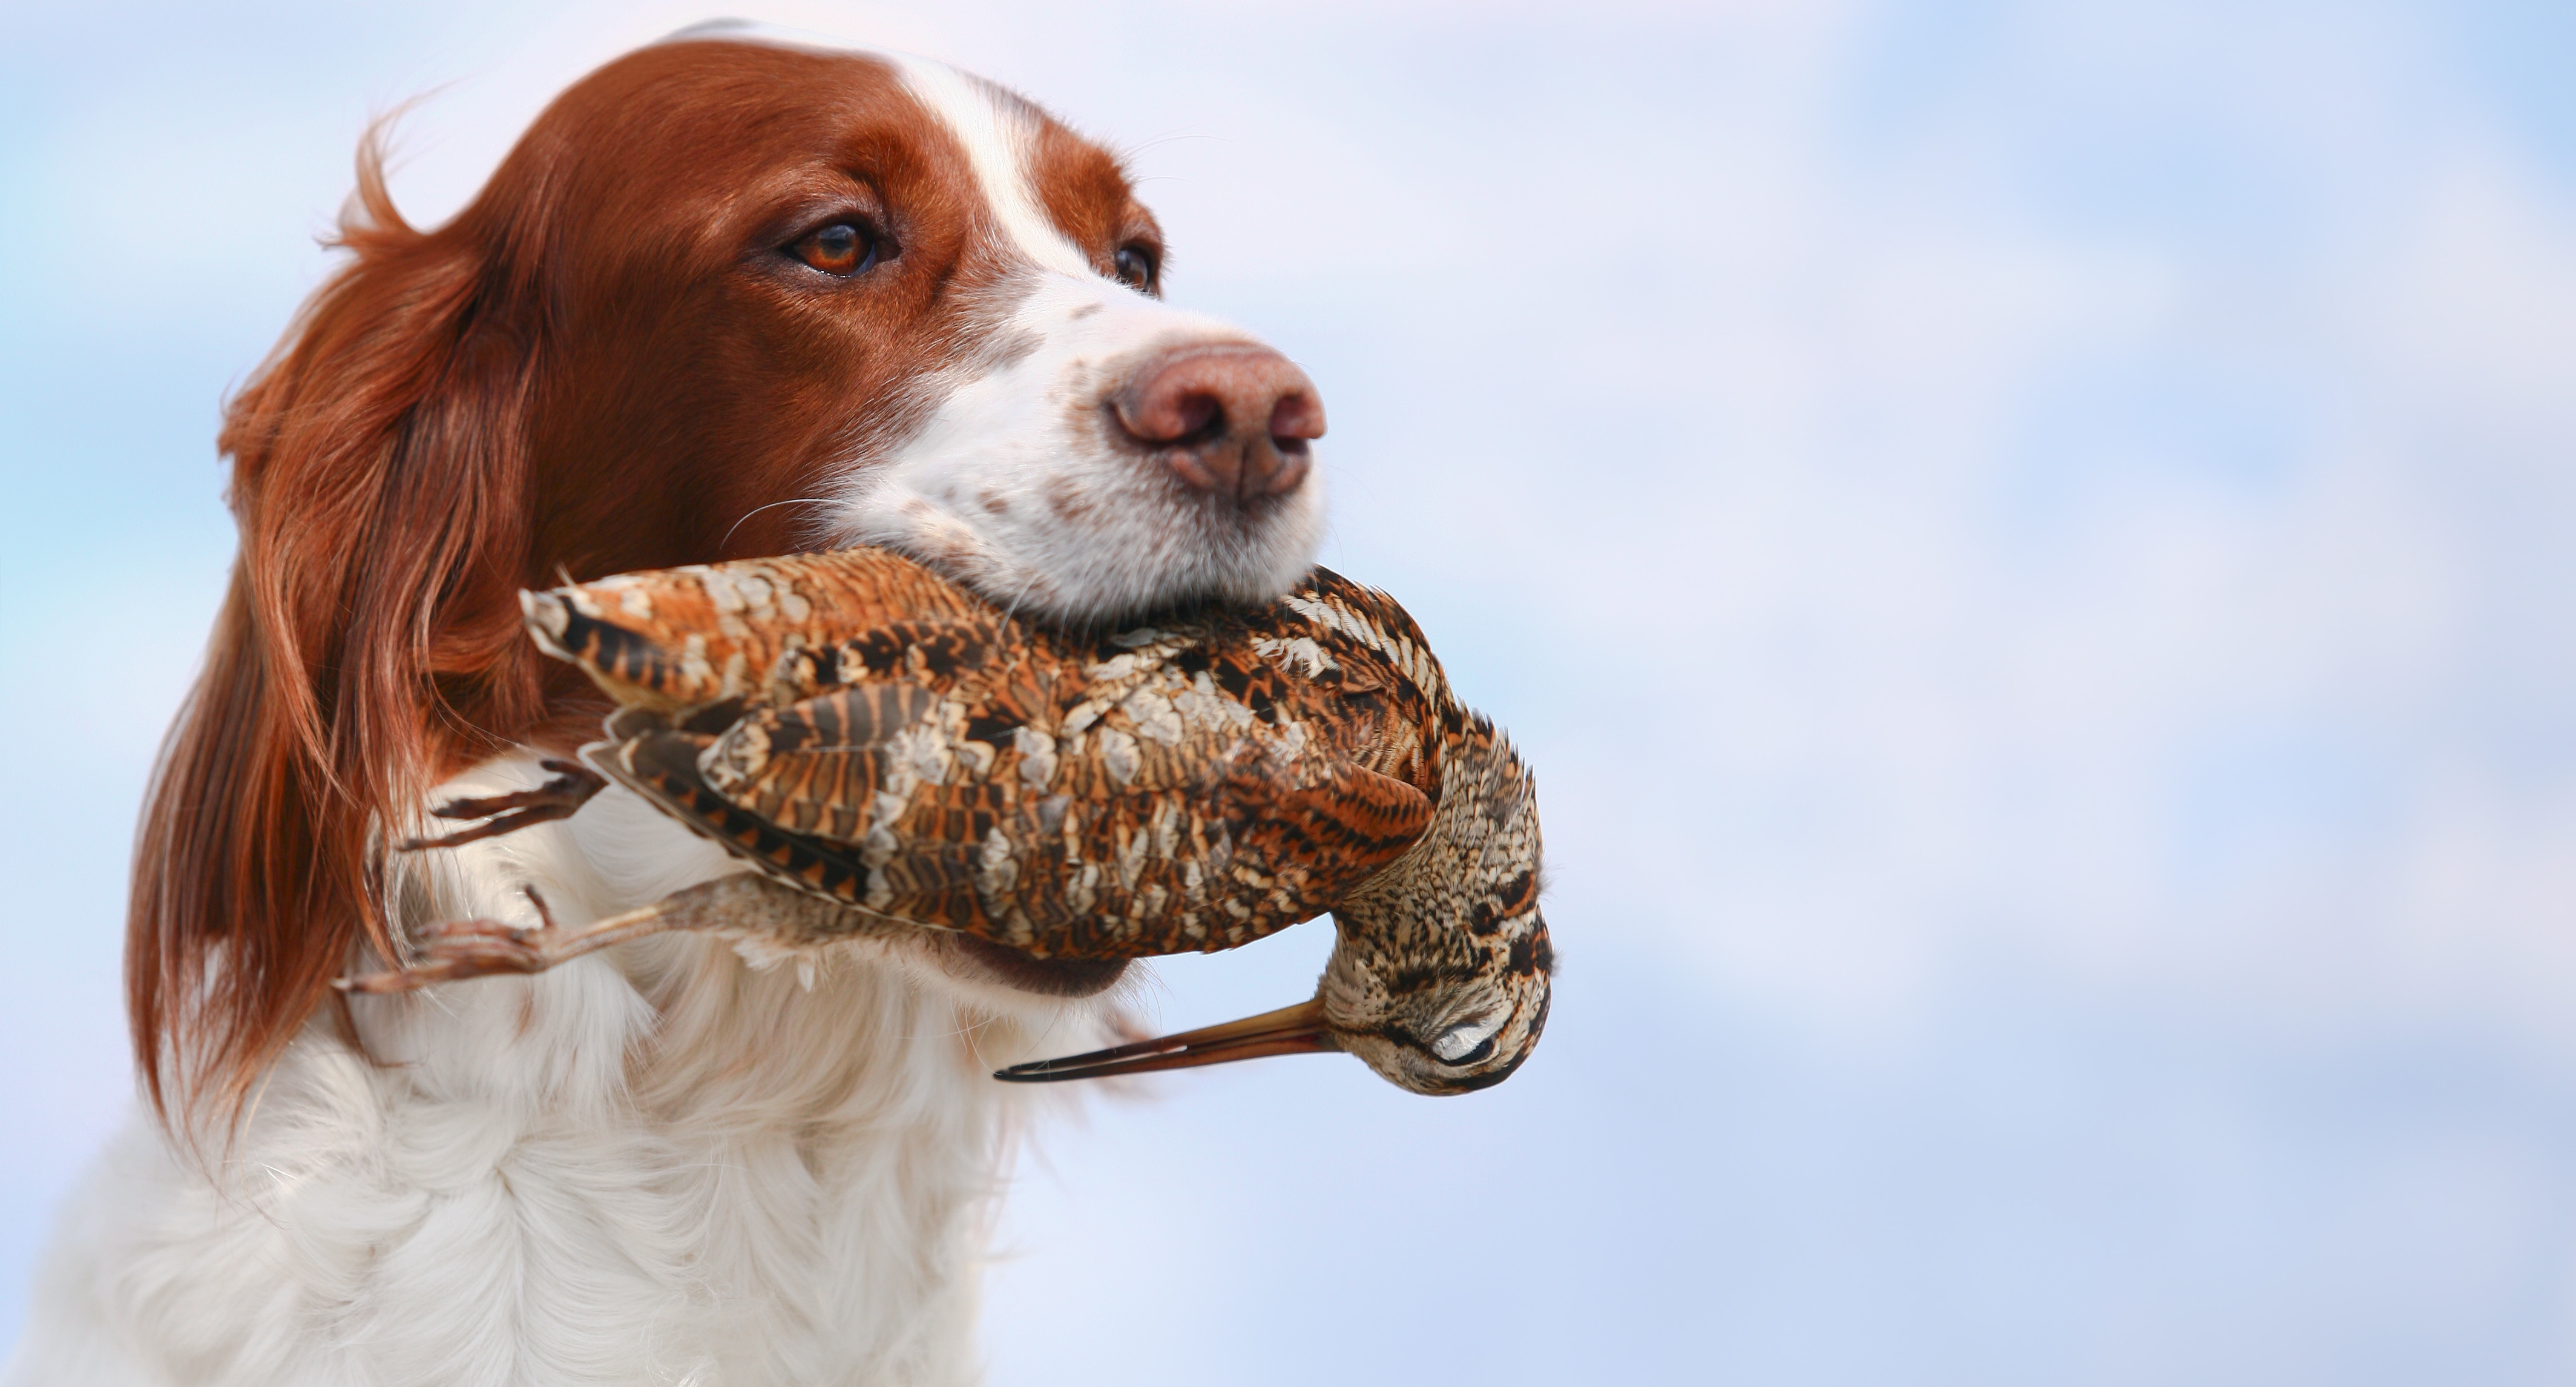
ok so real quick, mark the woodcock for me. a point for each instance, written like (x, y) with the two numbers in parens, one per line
(884, 747)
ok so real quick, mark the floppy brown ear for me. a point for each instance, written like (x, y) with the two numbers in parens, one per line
(368, 644)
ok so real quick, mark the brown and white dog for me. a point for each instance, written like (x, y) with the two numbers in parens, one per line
(726, 297)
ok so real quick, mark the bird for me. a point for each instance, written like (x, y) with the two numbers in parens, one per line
(885, 749)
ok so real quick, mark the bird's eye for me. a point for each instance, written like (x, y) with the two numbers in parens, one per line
(1465, 1044)
(843, 249)
(1136, 266)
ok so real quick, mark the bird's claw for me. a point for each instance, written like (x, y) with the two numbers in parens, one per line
(474, 948)
(559, 798)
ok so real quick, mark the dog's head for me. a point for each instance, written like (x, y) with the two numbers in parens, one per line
(896, 305)
(724, 298)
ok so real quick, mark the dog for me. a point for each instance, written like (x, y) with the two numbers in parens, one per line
(728, 296)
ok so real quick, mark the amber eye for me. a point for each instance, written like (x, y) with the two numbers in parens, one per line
(839, 249)
(1136, 267)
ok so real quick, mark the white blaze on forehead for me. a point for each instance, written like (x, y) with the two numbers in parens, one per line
(997, 132)
(1014, 483)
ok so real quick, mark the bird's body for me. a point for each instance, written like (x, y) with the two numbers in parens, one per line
(895, 751)
(861, 730)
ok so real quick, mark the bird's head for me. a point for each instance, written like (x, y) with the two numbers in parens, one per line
(1440, 1029)
(1440, 978)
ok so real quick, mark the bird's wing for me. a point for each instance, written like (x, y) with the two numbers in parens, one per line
(675, 639)
(817, 766)
(1339, 823)
(662, 765)
(875, 796)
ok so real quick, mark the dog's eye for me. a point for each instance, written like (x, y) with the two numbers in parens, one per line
(1136, 267)
(842, 248)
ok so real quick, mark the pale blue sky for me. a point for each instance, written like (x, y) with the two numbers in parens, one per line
(2027, 543)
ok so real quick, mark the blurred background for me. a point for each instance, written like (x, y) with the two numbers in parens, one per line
(2030, 545)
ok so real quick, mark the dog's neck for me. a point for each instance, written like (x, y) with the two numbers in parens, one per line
(656, 1163)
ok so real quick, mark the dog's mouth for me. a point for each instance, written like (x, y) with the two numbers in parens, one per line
(1046, 977)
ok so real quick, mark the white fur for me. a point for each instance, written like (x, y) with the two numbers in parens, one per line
(1015, 486)
(659, 1164)
(652, 1165)
(996, 131)
(981, 490)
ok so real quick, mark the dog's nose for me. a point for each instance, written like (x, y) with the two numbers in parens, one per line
(1232, 419)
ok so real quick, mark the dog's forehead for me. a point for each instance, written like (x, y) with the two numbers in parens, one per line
(997, 128)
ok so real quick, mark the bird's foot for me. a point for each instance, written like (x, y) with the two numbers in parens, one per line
(559, 798)
(482, 947)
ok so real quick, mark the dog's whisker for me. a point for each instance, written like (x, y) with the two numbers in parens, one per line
(747, 515)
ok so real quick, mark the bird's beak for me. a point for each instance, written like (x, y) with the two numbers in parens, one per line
(1297, 1030)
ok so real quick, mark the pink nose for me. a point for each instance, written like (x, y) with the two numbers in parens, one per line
(1231, 419)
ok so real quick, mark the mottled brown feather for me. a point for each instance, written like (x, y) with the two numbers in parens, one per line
(858, 728)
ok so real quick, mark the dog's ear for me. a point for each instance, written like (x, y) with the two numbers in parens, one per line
(368, 643)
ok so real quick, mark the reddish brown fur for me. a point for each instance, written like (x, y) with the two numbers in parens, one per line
(1084, 190)
(603, 363)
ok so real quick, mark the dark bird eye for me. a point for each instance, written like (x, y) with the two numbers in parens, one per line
(839, 249)
(1136, 268)
(1467, 1044)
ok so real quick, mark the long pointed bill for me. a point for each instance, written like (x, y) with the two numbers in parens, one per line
(1297, 1030)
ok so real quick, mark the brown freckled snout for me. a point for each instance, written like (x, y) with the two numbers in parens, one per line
(1231, 419)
